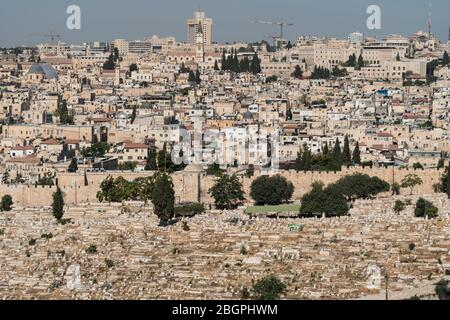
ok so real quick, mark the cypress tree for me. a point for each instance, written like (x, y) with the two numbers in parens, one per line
(58, 204)
(298, 161)
(224, 61)
(346, 156)
(307, 160)
(255, 67)
(356, 154)
(151, 164)
(445, 59)
(191, 76)
(198, 80)
(326, 150)
(236, 63)
(448, 182)
(360, 62)
(337, 156)
(73, 166)
(163, 198)
(216, 66)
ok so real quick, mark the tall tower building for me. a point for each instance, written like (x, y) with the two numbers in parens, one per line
(200, 24)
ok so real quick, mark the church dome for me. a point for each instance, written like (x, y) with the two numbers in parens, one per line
(44, 69)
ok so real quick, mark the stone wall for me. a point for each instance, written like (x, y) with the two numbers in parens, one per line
(194, 186)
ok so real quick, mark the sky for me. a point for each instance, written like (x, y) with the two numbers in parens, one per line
(104, 20)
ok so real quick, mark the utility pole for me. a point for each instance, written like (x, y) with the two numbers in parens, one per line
(386, 278)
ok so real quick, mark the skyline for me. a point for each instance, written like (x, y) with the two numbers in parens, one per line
(232, 19)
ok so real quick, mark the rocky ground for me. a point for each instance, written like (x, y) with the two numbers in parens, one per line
(113, 251)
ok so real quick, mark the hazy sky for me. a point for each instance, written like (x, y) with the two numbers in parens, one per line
(135, 19)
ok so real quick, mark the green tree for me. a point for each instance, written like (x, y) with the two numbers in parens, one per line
(58, 204)
(73, 166)
(224, 61)
(133, 67)
(398, 57)
(425, 208)
(164, 160)
(346, 156)
(198, 79)
(445, 59)
(227, 192)
(356, 158)
(7, 202)
(6, 177)
(395, 188)
(192, 77)
(351, 62)
(255, 66)
(163, 198)
(214, 170)
(399, 206)
(133, 115)
(109, 64)
(151, 164)
(48, 179)
(273, 190)
(442, 289)
(319, 201)
(96, 150)
(417, 165)
(298, 73)
(410, 181)
(360, 63)
(337, 155)
(447, 183)
(216, 66)
(269, 288)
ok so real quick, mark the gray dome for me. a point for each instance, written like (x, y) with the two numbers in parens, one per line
(45, 69)
(248, 115)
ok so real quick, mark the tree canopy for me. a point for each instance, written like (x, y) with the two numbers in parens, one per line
(163, 197)
(274, 190)
(227, 192)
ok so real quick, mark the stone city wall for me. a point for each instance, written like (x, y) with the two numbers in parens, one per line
(193, 186)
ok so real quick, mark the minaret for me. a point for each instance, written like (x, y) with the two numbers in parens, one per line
(430, 19)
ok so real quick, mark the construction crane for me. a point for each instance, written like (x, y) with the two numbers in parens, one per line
(50, 35)
(281, 24)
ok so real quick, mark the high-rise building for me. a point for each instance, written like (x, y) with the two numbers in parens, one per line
(200, 24)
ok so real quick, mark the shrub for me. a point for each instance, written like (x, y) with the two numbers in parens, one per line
(185, 226)
(442, 290)
(7, 202)
(399, 206)
(425, 208)
(189, 209)
(32, 242)
(47, 236)
(395, 188)
(109, 263)
(269, 288)
(245, 294)
(91, 249)
(243, 250)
